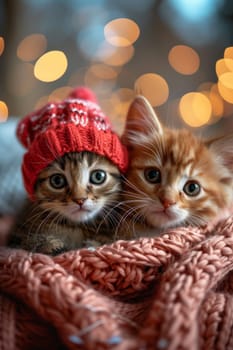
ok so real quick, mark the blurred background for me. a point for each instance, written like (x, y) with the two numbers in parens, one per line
(177, 53)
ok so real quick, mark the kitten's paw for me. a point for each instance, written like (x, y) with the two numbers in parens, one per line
(53, 247)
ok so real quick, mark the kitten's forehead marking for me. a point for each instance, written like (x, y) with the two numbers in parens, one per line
(57, 166)
(81, 173)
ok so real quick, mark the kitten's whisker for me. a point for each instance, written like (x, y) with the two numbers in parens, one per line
(131, 185)
(111, 209)
(112, 220)
(196, 220)
(109, 216)
(128, 214)
(37, 215)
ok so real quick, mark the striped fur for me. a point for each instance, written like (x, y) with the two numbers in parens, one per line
(185, 163)
(73, 215)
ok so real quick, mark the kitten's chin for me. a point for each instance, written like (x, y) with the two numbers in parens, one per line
(82, 216)
(165, 219)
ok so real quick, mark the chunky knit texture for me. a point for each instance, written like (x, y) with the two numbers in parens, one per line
(73, 125)
(169, 292)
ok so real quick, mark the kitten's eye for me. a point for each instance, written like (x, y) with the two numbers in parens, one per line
(192, 188)
(98, 177)
(57, 181)
(152, 175)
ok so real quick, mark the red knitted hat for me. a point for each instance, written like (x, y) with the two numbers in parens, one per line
(74, 125)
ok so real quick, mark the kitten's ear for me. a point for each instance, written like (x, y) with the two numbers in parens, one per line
(223, 148)
(141, 121)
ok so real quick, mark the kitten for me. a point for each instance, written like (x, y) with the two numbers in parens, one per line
(73, 196)
(174, 178)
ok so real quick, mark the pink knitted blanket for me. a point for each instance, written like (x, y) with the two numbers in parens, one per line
(169, 292)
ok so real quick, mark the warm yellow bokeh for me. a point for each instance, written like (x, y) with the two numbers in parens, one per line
(217, 105)
(154, 87)
(121, 32)
(2, 45)
(3, 112)
(195, 109)
(226, 80)
(210, 90)
(228, 53)
(51, 66)
(60, 94)
(216, 102)
(31, 47)
(184, 59)
(225, 92)
(224, 65)
(115, 56)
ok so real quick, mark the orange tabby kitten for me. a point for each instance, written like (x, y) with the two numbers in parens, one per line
(73, 197)
(174, 178)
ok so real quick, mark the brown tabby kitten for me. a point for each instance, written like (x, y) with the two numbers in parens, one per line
(174, 178)
(73, 196)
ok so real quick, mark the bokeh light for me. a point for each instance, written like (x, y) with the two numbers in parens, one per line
(195, 109)
(154, 87)
(89, 39)
(3, 112)
(228, 52)
(227, 80)
(121, 32)
(184, 59)
(225, 87)
(115, 56)
(217, 104)
(116, 106)
(191, 20)
(51, 66)
(223, 65)
(31, 47)
(210, 90)
(224, 71)
(196, 10)
(2, 45)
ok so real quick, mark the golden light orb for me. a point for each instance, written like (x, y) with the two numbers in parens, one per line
(121, 32)
(154, 87)
(195, 109)
(3, 112)
(184, 59)
(31, 47)
(51, 66)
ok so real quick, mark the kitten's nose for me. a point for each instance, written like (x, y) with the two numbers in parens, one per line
(166, 202)
(80, 201)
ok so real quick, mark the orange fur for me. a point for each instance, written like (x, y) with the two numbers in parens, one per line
(190, 180)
